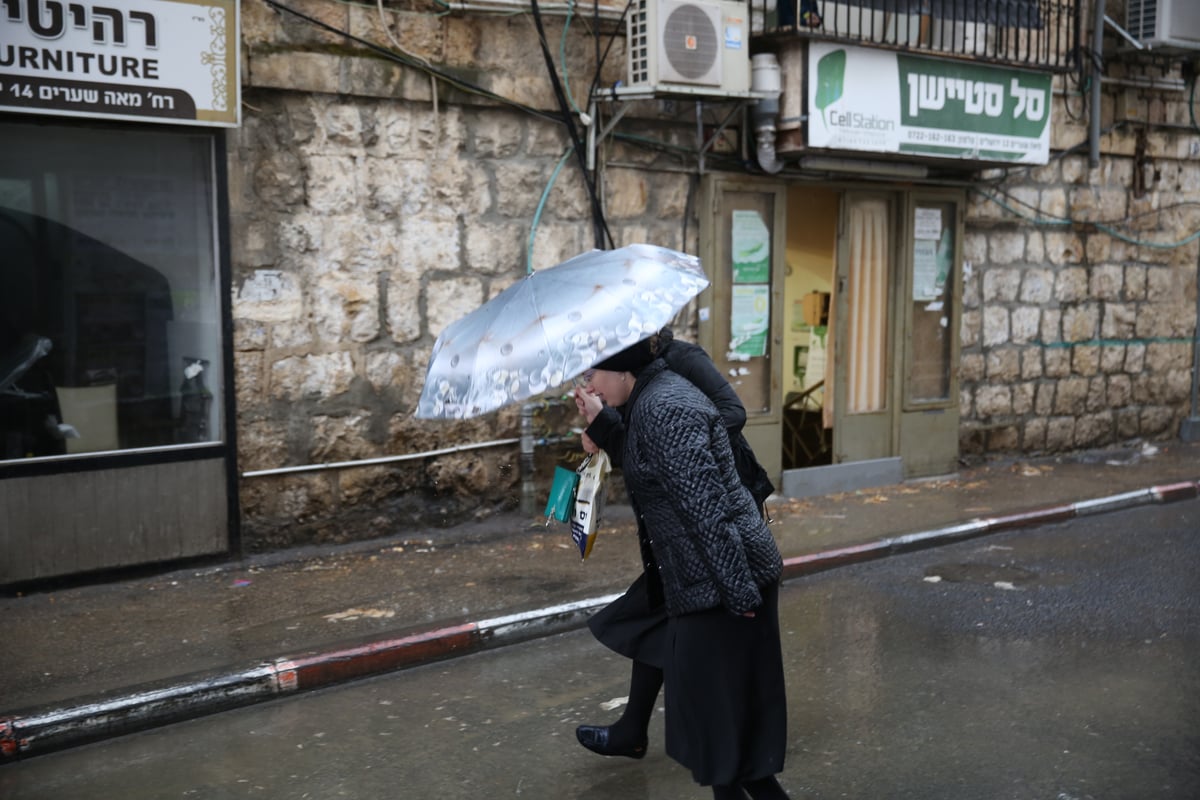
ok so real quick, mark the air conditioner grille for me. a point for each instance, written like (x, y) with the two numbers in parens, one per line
(690, 42)
(1142, 18)
(639, 44)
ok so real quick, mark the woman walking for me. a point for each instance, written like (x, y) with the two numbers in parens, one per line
(709, 561)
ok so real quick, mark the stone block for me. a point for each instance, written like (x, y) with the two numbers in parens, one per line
(497, 247)
(1060, 434)
(1112, 359)
(294, 71)
(1003, 365)
(1097, 397)
(1064, 248)
(448, 300)
(269, 295)
(1031, 363)
(1001, 285)
(1128, 421)
(1071, 397)
(1156, 420)
(1120, 321)
(1135, 358)
(993, 401)
(1051, 326)
(497, 135)
(1043, 402)
(332, 185)
(346, 309)
(971, 367)
(318, 376)
(262, 444)
(1033, 438)
(1023, 396)
(1107, 281)
(1026, 323)
(1120, 391)
(1094, 430)
(341, 438)
(995, 326)
(1057, 361)
(626, 193)
(1071, 285)
(1007, 247)
(1080, 323)
(1085, 360)
(1037, 286)
(1005, 439)
(403, 309)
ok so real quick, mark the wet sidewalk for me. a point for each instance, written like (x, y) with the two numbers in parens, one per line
(95, 661)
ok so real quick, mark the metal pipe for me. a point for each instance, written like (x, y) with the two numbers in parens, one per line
(1097, 60)
(522, 6)
(528, 488)
(370, 462)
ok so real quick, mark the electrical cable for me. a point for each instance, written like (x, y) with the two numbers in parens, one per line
(441, 74)
(599, 225)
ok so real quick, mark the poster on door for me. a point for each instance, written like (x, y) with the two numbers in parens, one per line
(751, 248)
(749, 322)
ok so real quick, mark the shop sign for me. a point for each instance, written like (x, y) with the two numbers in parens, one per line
(886, 102)
(170, 61)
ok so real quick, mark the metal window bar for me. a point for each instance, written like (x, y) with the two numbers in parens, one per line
(1036, 34)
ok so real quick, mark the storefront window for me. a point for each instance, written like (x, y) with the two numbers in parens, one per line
(931, 344)
(110, 335)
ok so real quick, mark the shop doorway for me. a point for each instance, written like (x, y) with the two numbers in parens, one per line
(834, 311)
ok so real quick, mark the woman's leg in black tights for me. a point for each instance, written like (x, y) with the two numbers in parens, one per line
(644, 685)
(730, 792)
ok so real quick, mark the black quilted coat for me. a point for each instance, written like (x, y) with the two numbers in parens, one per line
(700, 529)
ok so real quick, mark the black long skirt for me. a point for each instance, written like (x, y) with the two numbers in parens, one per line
(726, 705)
(633, 625)
(726, 717)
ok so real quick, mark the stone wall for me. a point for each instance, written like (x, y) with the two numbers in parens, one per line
(364, 220)
(371, 206)
(1080, 291)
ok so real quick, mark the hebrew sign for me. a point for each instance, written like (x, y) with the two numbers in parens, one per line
(173, 61)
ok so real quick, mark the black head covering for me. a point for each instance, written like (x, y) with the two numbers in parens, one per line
(638, 356)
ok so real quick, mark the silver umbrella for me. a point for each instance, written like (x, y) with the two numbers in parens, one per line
(552, 325)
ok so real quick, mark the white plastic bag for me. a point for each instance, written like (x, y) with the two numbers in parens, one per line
(589, 503)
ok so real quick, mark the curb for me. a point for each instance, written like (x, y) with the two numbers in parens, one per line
(55, 727)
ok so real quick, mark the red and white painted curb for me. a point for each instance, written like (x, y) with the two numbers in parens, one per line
(45, 729)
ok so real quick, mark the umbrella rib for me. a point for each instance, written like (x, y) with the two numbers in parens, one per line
(537, 308)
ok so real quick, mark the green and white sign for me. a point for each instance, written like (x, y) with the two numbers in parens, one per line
(750, 240)
(886, 102)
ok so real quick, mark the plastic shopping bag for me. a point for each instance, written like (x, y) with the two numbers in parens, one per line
(562, 493)
(589, 502)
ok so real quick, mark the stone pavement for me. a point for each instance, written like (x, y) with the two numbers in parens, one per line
(93, 661)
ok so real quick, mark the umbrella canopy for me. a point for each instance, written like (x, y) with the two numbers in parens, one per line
(552, 325)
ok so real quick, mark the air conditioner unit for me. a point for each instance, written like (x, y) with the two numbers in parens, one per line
(1164, 24)
(688, 47)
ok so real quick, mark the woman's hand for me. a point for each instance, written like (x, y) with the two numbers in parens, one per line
(588, 404)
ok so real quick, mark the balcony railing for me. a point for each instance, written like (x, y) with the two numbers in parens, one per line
(1036, 34)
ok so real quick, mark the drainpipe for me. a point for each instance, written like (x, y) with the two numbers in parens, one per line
(1097, 56)
(765, 77)
(1189, 431)
(528, 486)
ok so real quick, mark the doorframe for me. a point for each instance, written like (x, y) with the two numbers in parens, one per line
(764, 428)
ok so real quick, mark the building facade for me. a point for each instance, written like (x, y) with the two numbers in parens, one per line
(896, 288)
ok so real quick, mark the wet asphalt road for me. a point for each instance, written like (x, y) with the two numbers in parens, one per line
(1059, 664)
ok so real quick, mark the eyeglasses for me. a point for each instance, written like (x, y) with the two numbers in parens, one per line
(582, 380)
